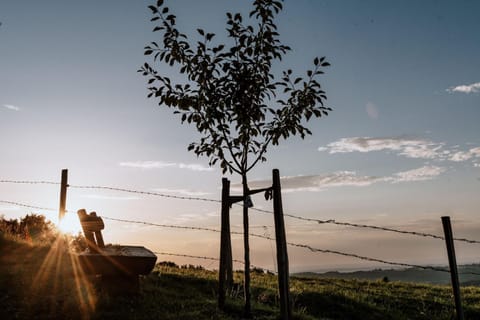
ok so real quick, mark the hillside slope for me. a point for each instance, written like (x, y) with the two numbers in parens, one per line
(43, 282)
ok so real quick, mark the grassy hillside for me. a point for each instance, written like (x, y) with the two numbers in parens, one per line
(42, 282)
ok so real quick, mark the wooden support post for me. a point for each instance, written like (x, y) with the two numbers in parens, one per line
(447, 229)
(247, 309)
(225, 268)
(282, 256)
(63, 194)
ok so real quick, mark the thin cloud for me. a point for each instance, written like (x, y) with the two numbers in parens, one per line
(194, 167)
(475, 152)
(184, 192)
(11, 107)
(460, 156)
(470, 88)
(102, 197)
(411, 148)
(162, 165)
(316, 183)
(420, 174)
(408, 147)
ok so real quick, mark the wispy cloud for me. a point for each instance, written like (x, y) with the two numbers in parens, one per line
(102, 197)
(409, 147)
(347, 179)
(372, 110)
(11, 107)
(419, 174)
(412, 148)
(194, 167)
(162, 165)
(184, 192)
(470, 88)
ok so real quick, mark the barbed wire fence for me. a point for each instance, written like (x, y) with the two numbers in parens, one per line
(260, 236)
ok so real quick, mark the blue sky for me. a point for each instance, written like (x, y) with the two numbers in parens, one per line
(401, 147)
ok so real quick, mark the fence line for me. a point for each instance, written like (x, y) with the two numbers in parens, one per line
(150, 193)
(27, 205)
(304, 246)
(29, 182)
(207, 258)
(162, 225)
(320, 221)
(308, 247)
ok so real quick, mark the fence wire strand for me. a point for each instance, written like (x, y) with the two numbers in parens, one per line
(206, 258)
(162, 225)
(150, 193)
(304, 246)
(18, 204)
(29, 182)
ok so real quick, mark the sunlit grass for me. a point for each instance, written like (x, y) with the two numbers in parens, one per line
(47, 282)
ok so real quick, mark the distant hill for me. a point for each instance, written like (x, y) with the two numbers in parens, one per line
(415, 275)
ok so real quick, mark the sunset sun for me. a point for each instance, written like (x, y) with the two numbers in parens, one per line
(70, 224)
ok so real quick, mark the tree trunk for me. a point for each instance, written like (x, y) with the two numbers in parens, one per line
(247, 308)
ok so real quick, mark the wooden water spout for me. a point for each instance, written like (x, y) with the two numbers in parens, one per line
(119, 266)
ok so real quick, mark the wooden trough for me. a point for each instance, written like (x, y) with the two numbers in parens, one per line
(118, 266)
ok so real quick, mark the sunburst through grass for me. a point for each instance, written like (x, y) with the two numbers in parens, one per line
(47, 281)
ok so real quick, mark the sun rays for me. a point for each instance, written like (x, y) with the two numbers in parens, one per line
(58, 274)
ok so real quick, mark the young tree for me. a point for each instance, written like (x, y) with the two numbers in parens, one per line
(230, 93)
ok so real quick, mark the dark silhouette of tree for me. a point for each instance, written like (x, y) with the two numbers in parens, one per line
(231, 95)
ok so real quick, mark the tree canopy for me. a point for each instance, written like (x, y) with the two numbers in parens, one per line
(231, 94)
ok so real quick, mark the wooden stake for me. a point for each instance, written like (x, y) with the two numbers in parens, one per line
(63, 194)
(282, 255)
(225, 245)
(447, 229)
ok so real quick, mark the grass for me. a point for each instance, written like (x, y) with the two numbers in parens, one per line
(41, 282)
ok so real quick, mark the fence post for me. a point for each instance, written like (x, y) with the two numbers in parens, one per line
(225, 268)
(447, 229)
(63, 194)
(282, 256)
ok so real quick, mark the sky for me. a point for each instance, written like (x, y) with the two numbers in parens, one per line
(400, 149)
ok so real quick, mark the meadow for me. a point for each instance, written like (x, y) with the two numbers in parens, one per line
(42, 281)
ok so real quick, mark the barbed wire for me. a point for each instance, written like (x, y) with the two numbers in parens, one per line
(319, 221)
(26, 205)
(192, 256)
(357, 225)
(162, 225)
(150, 193)
(29, 182)
(366, 226)
(207, 258)
(304, 246)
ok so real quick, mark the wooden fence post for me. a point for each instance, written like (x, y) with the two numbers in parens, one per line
(63, 194)
(447, 229)
(225, 273)
(282, 256)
